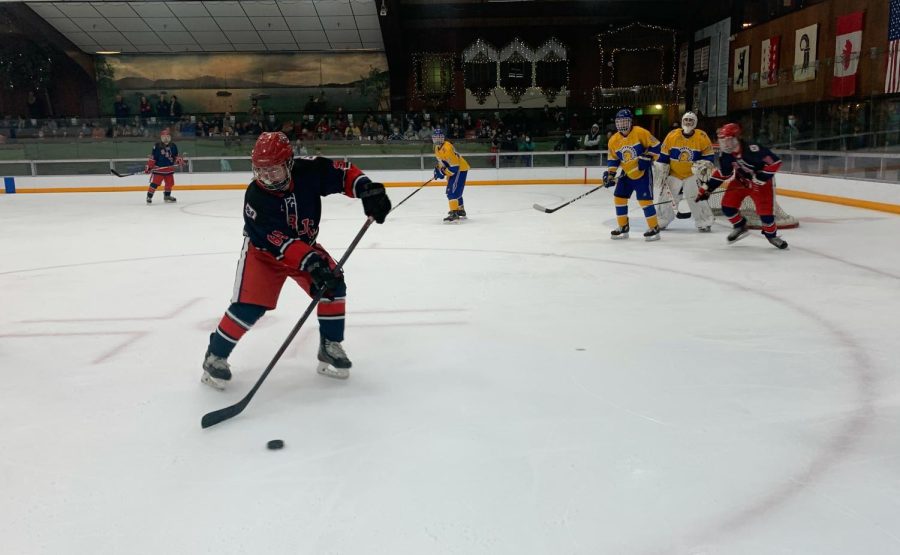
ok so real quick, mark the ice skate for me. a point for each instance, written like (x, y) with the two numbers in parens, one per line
(462, 214)
(777, 241)
(216, 371)
(333, 361)
(149, 199)
(704, 229)
(739, 232)
(619, 232)
(169, 198)
(652, 234)
(452, 217)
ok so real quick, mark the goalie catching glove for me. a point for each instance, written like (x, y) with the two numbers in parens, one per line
(324, 279)
(376, 203)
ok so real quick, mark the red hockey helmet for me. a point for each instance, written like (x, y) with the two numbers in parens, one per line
(165, 136)
(729, 137)
(272, 160)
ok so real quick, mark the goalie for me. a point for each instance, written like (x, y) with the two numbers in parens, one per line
(686, 158)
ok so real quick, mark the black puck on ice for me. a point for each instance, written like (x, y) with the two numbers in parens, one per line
(275, 444)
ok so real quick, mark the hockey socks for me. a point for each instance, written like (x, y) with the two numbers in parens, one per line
(239, 318)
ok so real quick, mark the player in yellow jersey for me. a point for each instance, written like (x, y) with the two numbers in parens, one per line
(455, 168)
(687, 154)
(633, 150)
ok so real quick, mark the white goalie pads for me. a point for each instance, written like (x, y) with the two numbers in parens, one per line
(660, 173)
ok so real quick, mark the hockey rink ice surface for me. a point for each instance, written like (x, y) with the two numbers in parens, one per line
(521, 384)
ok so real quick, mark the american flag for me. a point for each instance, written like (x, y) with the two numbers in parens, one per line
(892, 78)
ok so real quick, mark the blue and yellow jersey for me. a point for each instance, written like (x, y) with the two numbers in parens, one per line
(624, 151)
(681, 152)
(448, 160)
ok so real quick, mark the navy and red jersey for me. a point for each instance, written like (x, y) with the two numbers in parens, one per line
(286, 224)
(751, 163)
(163, 159)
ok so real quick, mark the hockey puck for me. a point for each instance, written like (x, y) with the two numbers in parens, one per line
(275, 444)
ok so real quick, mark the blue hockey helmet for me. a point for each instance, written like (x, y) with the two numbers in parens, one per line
(624, 119)
(437, 136)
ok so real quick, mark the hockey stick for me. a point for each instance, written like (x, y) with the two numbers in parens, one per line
(670, 201)
(117, 174)
(419, 188)
(217, 416)
(540, 208)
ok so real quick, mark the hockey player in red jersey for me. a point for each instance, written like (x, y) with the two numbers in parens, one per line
(161, 167)
(282, 210)
(749, 169)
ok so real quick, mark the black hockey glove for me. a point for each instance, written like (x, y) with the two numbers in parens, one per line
(324, 278)
(375, 201)
(609, 179)
(702, 194)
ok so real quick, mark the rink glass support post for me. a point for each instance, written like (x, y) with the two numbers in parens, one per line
(881, 168)
(33, 168)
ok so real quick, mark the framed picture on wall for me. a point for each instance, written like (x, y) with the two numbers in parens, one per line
(742, 68)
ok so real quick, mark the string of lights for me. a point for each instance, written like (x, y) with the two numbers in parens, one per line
(551, 53)
(433, 87)
(628, 31)
(480, 53)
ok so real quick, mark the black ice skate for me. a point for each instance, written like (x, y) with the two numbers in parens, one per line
(169, 198)
(333, 361)
(453, 216)
(149, 199)
(216, 371)
(739, 232)
(619, 233)
(462, 214)
(777, 241)
(652, 234)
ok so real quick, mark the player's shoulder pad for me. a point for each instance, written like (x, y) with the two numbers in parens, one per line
(316, 164)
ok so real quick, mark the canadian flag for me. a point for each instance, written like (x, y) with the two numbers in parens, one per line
(847, 47)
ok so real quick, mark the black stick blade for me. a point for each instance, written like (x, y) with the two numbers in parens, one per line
(221, 415)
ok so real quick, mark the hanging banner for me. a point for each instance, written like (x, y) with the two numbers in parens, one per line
(846, 54)
(682, 66)
(805, 53)
(768, 69)
(742, 68)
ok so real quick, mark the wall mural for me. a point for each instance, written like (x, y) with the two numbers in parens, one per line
(284, 82)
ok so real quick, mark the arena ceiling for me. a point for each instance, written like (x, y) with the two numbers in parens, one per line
(215, 26)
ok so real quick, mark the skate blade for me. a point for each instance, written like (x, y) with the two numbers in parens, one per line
(739, 237)
(330, 371)
(652, 238)
(617, 237)
(214, 383)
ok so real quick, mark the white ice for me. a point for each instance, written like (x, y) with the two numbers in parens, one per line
(521, 384)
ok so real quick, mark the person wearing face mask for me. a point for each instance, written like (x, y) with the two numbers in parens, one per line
(567, 142)
(282, 211)
(525, 145)
(686, 156)
(791, 133)
(632, 152)
(592, 138)
(161, 167)
(749, 170)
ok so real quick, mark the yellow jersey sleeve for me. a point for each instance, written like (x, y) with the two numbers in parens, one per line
(448, 158)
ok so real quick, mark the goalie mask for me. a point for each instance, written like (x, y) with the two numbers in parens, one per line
(688, 122)
(729, 138)
(624, 121)
(272, 160)
(165, 136)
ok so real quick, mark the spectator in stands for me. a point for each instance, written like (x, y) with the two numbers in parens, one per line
(120, 109)
(426, 131)
(792, 133)
(396, 135)
(145, 110)
(299, 149)
(272, 124)
(175, 109)
(525, 145)
(322, 128)
(508, 144)
(162, 108)
(592, 140)
(255, 112)
(353, 132)
(34, 108)
(410, 134)
(567, 142)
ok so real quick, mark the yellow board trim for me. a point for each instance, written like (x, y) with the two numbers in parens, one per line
(856, 203)
(844, 201)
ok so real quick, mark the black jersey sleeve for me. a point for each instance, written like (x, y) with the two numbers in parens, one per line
(334, 176)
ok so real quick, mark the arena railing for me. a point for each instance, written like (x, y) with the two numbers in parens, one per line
(874, 166)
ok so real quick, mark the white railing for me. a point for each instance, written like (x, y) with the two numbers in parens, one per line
(875, 166)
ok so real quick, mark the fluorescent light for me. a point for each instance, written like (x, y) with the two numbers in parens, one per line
(107, 52)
